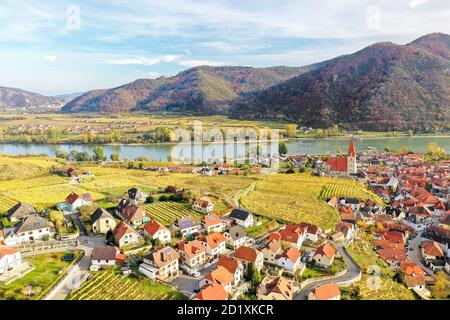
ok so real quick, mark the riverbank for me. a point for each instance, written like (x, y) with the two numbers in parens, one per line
(163, 151)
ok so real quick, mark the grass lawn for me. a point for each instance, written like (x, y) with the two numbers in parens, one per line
(42, 278)
(111, 285)
(267, 225)
(292, 198)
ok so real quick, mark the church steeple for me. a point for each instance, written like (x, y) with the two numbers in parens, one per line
(351, 149)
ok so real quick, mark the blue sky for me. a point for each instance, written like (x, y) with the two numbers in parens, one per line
(46, 49)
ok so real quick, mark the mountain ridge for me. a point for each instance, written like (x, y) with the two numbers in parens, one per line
(384, 86)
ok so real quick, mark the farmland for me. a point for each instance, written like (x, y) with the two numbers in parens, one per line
(109, 285)
(292, 198)
(348, 189)
(167, 212)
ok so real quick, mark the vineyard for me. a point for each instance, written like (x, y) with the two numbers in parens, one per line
(292, 198)
(108, 285)
(348, 190)
(167, 212)
(386, 289)
(6, 204)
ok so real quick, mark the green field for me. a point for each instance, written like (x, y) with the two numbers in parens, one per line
(167, 212)
(109, 285)
(45, 275)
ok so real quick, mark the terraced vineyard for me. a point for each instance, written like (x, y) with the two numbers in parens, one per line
(362, 251)
(108, 285)
(6, 204)
(167, 212)
(353, 190)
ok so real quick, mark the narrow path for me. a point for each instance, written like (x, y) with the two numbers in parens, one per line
(353, 274)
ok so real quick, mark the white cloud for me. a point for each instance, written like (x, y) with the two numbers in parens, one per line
(50, 59)
(196, 63)
(417, 3)
(143, 61)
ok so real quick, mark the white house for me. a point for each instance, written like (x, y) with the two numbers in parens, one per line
(10, 259)
(75, 201)
(187, 226)
(242, 218)
(236, 237)
(157, 231)
(203, 205)
(214, 244)
(104, 257)
(234, 266)
(289, 260)
(161, 264)
(33, 228)
(212, 223)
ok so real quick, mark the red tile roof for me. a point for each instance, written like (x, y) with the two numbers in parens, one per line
(212, 292)
(327, 291)
(246, 253)
(153, 226)
(326, 250)
(337, 164)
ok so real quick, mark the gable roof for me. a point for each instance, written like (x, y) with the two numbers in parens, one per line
(292, 254)
(221, 276)
(278, 285)
(32, 223)
(105, 253)
(229, 263)
(21, 210)
(212, 292)
(214, 239)
(122, 229)
(153, 227)
(162, 257)
(327, 291)
(192, 248)
(211, 220)
(246, 253)
(432, 248)
(132, 212)
(326, 250)
(100, 213)
(71, 198)
(337, 164)
(237, 232)
(203, 202)
(4, 251)
(239, 214)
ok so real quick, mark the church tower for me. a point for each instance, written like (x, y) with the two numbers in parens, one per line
(351, 158)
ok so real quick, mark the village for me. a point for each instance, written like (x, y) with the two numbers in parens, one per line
(210, 256)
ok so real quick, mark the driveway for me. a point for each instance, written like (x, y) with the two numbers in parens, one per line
(416, 255)
(75, 276)
(353, 272)
(186, 284)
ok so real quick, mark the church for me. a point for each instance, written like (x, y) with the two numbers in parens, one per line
(344, 165)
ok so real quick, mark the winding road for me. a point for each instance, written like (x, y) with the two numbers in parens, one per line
(353, 274)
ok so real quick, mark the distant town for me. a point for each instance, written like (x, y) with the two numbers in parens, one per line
(170, 242)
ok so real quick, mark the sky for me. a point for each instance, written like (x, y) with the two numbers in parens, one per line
(58, 47)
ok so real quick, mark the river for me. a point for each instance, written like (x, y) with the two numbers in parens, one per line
(160, 152)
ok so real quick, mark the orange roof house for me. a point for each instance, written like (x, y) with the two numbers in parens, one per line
(326, 292)
(212, 292)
